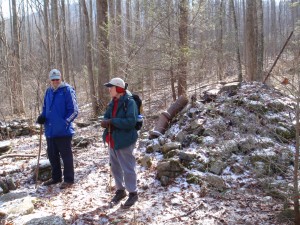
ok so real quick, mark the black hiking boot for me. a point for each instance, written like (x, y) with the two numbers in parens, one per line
(133, 197)
(120, 194)
(65, 185)
(51, 181)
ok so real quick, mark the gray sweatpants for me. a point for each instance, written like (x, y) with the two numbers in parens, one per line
(123, 168)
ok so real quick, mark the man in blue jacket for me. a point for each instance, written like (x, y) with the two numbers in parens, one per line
(59, 110)
(119, 122)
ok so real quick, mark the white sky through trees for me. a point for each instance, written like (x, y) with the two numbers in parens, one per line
(4, 6)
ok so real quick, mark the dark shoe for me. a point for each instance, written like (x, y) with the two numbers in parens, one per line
(133, 197)
(65, 185)
(120, 194)
(50, 182)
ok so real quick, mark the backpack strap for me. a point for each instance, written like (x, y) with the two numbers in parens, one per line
(125, 104)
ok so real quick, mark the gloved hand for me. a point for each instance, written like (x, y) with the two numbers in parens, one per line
(41, 119)
(105, 123)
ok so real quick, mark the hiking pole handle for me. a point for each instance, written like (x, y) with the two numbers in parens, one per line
(39, 155)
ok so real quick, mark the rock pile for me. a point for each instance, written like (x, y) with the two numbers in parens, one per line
(233, 129)
(16, 128)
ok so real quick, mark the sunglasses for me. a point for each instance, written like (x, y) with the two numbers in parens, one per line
(55, 80)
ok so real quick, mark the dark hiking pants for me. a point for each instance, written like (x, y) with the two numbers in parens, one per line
(61, 147)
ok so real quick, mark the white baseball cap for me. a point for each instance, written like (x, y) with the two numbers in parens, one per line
(54, 74)
(115, 82)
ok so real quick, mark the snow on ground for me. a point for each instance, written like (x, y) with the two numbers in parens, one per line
(179, 203)
(243, 202)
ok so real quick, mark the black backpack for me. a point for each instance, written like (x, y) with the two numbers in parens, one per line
(138, 102)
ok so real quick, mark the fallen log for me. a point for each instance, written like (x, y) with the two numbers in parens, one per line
(17, 155)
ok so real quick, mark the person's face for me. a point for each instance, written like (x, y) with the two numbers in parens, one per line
(112, 91)
(55, 82)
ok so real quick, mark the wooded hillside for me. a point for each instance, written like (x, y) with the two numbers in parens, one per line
(172, 45)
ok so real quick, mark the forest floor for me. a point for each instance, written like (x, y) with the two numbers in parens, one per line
(86, 202)
(243, 201)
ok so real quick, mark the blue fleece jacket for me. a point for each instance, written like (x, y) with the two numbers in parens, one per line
(60, 109)
(124, 133)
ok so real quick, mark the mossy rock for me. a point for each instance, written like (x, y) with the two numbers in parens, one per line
(10, 183)
(274, 119)
(271, 164)
(153, 148)
(237, 169)
(276, 106)
(5, 147)
(254, 97)
(170, 168)
(199, 140)
(284, 134)
(187, 156)
(209, 132)
(199, 166)
(216, 182)
(145, 161)
(231, 147)
(265, 144)
(170, 146)
(188, 139)
(217, 167)
(245, 146)
(171, 154)
(180, 136)
(276, 194)
(193, 179)
(4, 186)
(238, 102)
(44, 174)
(199, 131)
(257, 107)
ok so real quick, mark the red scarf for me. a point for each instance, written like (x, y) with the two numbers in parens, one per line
(109, 138)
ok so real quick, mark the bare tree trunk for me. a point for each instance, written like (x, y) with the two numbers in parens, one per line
(260, 40)
(90, 11)
(273, 38)
(250, 42)
(236, 38)
(296, 162)
(18, 97)
(112, 36)
(4, 58)
(128, 24)
(11, 21)
(128, 41)
(47, 32)
(103, 45)
(82, 37)
(65, 43)
(220, 42)
(137, 21)
(172, 76)
(88, 44)
(183, 45)
(59, 60)
(119, 39)
(29, 41)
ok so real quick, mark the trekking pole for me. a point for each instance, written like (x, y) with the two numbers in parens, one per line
(110, 172)
(39, 155)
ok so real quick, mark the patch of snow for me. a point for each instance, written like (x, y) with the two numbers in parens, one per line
(175, 129)
(209, 140)
(174, 189)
